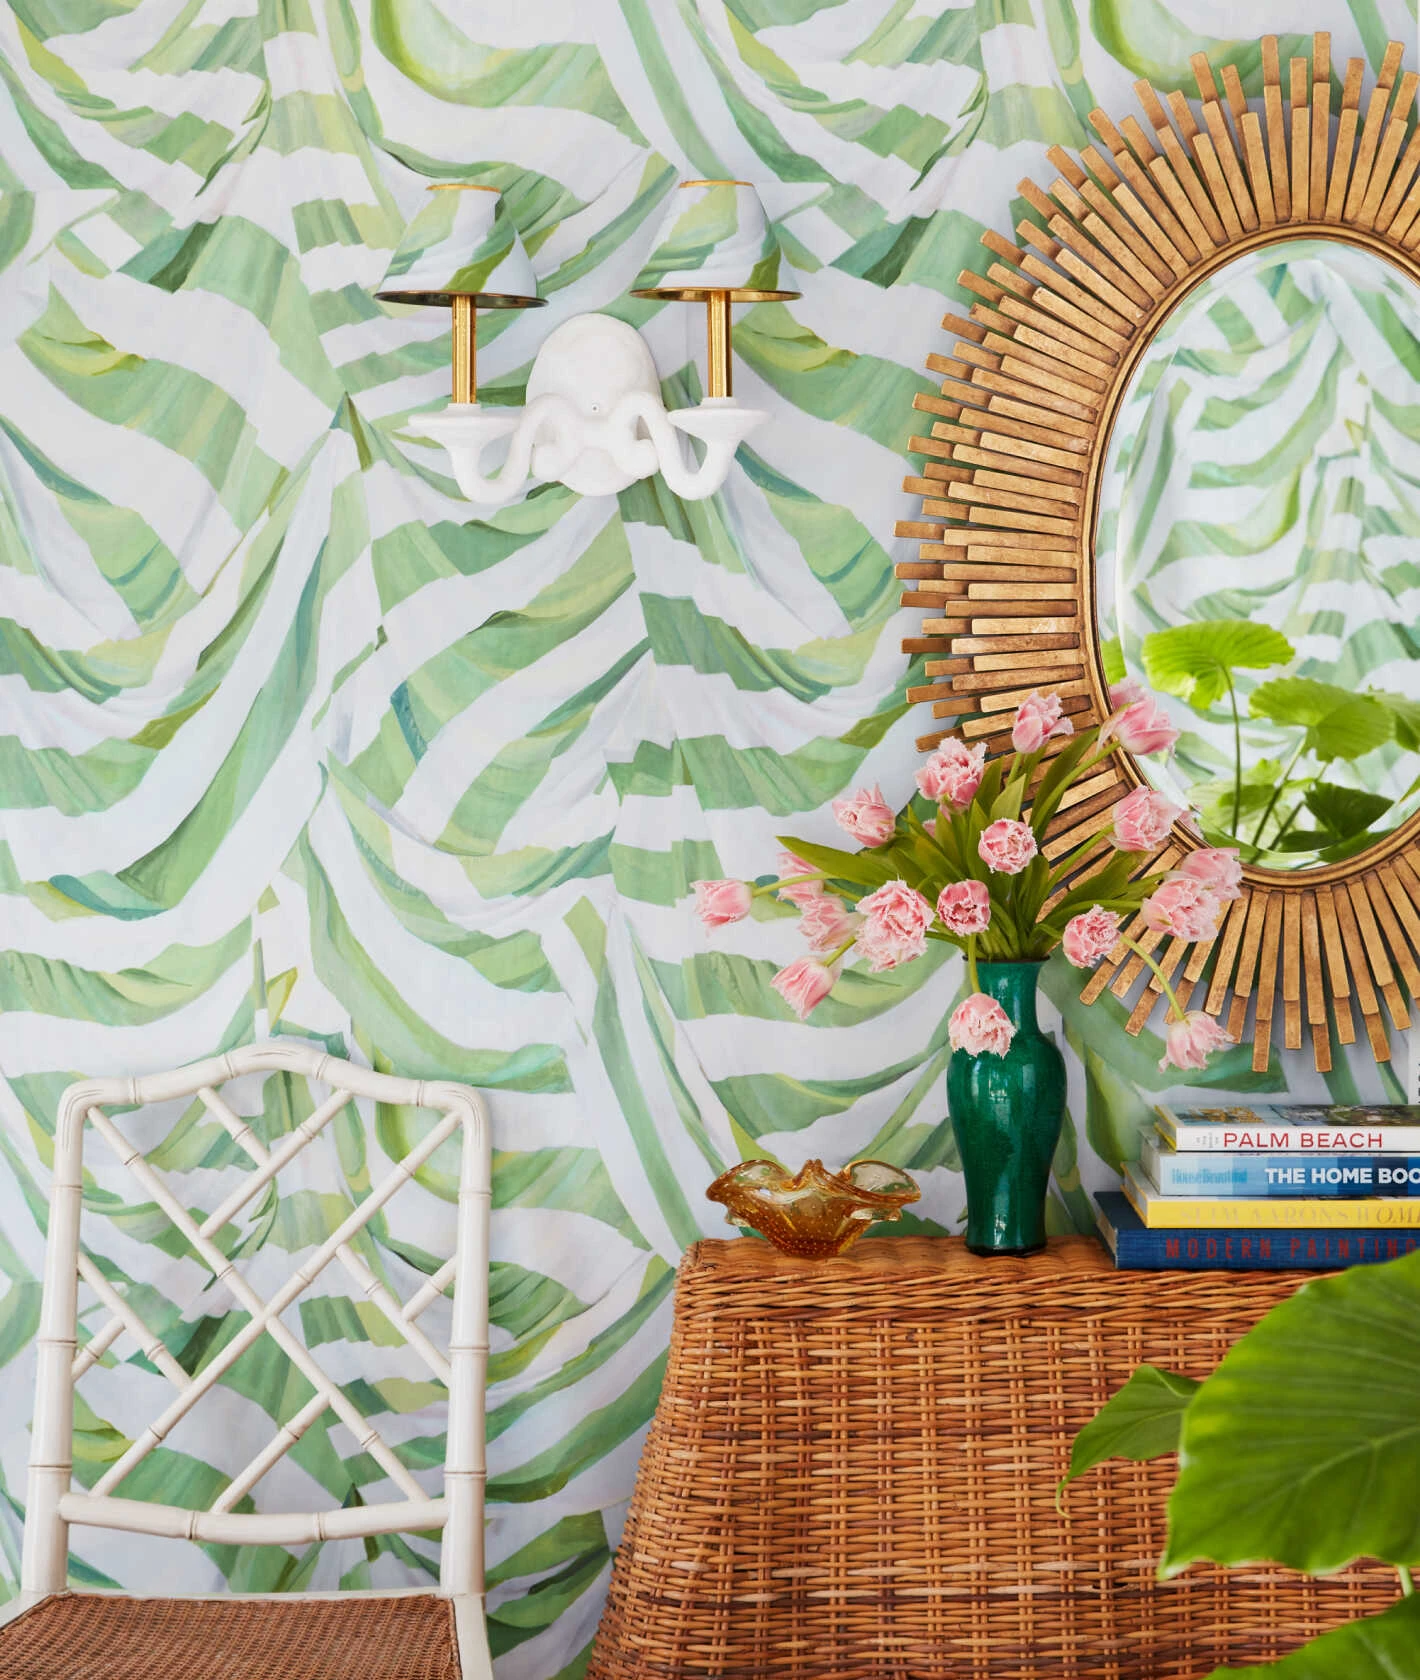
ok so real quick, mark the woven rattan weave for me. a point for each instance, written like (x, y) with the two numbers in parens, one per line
(852, 1471)
(86, 1636)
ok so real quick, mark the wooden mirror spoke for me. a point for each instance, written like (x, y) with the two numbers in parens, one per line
(1013, 454)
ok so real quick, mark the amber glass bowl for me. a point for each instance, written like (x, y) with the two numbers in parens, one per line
(814, 1213)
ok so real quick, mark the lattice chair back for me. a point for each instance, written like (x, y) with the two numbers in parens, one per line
(54, 1504)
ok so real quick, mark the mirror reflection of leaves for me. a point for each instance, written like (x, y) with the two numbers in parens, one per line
(1287, 800)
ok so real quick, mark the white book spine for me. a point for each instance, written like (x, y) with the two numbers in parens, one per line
(1295, 1140)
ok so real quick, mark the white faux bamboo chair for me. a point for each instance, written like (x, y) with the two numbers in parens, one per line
(344, 1636)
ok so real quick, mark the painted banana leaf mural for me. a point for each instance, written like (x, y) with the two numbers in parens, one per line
(295, 741)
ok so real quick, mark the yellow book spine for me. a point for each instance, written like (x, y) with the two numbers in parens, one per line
(1379, 1213)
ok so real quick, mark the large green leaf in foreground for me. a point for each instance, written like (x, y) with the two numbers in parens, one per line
(1303, 1447)
(1384, 1647)
(1141, 1421)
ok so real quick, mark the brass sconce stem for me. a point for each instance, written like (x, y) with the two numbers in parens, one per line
(465, 350)
(717, 334)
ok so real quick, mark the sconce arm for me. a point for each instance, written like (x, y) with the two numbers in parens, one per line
(720, 423)
(548, 423)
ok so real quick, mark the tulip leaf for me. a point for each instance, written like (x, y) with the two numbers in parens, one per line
(1344, 811)
(1303, 1447)
(990, 786)
(1054, 784)
(1339, 724)
(1194, 661)
(1386, 1646)
(1007, 803)
(1109, 887)
(866, 869)
(1141, 1421)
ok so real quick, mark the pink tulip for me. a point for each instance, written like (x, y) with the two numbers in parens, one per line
(931, 826)
(980, 1026)
(826, 923)
(1126, 692)
(1142, 727)
(1039, 718)
(803, 985)
(895, 922)
(801, 893)
(953, 773)
(866, 816)
(1187, 1043)
(1217, 867)
(1183, 908)
(964, 907)
(1142, 820)
(718, 903)
(1007, 846)
(1090, 936)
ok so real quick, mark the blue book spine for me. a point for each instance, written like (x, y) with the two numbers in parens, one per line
(1343, 1177)
(1137, 1248)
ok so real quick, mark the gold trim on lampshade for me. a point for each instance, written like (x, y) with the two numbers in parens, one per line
(463, 243)
(715, 241)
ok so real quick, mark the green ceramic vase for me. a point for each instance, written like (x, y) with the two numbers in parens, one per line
(1006, 1113)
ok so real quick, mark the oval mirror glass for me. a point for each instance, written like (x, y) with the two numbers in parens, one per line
(1258, 550)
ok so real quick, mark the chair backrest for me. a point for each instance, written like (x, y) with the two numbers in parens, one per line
(53, 1504)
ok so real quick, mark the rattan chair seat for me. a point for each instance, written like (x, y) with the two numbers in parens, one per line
(89, 1636)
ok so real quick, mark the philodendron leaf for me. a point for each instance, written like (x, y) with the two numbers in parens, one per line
(1214, 799)
(1406, 713)
(1303, 1447)
(1345, 811)
(1112, 658)
(1193, 660)
(1385, 1646)
(1302, 840)
(1141, 1421)
(1339, 724)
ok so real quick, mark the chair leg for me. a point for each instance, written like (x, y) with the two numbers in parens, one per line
(471, 1630)
(44, 1557)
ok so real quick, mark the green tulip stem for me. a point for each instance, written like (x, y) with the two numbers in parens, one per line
(786, 881)
(1084, 768)
(1176, 1012)
(1407, 1585)
(972, 975)
(840, 953)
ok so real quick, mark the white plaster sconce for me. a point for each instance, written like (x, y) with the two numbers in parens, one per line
(594, 419)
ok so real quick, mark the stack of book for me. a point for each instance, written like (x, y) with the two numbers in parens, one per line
(1278, 1186)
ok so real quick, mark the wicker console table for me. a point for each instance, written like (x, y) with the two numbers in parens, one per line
(851, 1474)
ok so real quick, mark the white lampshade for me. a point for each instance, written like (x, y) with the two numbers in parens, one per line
(463, 243)
(715, 238)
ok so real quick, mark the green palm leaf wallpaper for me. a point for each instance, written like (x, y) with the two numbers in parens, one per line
(294, 741)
